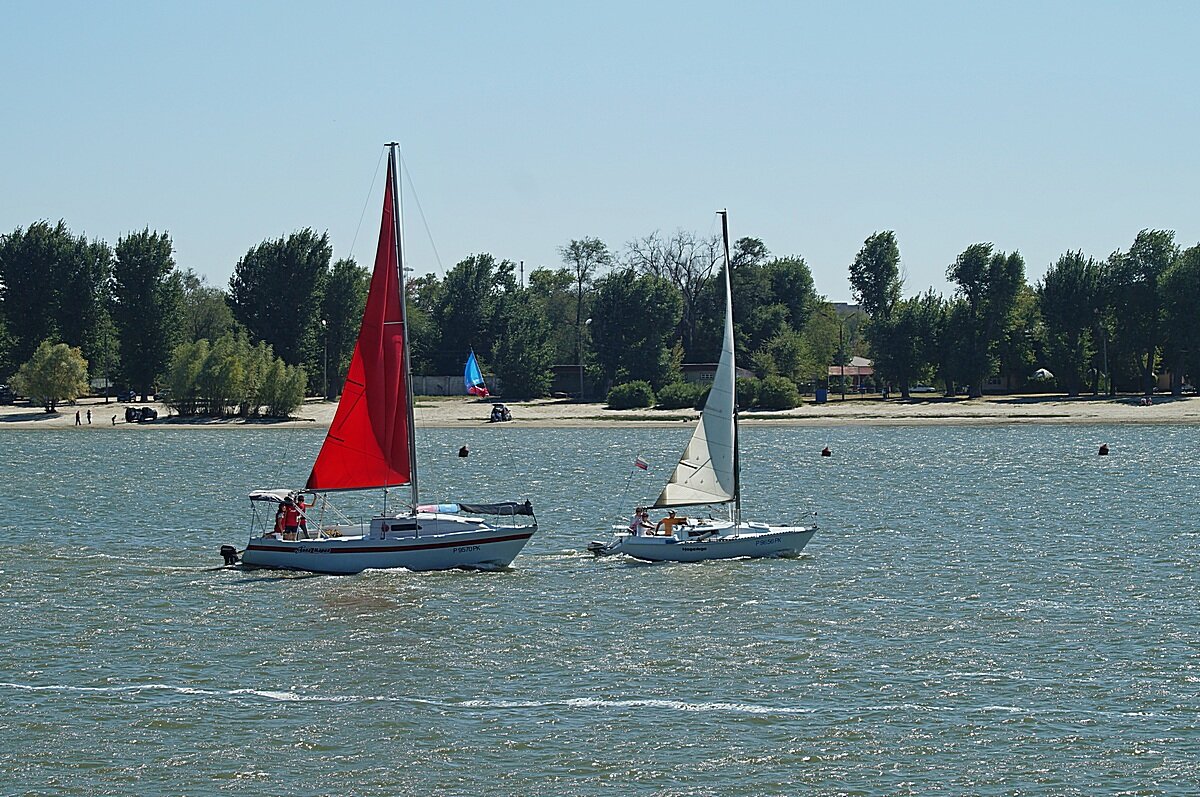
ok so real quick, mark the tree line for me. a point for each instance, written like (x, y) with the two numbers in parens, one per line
(284, 326)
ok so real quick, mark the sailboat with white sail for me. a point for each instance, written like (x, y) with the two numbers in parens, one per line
(371, 447)
(708, 474)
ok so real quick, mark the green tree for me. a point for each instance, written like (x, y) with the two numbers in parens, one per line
(203, 311)
(56, 372)
(275, 291)
(466, 309)
(583, 258)
(686, 261)
(988, 283)
(907, 341)
(1137, 299)
(53, 286)
(1069, 299)
(146, 301)
(1181, 317)
(550, 291)
(341, 316)
(633, 328)
(522, 354)
(875, 275)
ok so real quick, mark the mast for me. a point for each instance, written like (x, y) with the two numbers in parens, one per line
(393, 162)
(737, 474)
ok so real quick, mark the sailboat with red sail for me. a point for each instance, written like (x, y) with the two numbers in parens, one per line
(371, 447)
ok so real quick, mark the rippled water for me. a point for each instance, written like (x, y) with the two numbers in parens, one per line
(984, 611)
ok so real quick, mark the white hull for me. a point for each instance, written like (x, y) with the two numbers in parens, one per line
(441, 543)
(710, 541)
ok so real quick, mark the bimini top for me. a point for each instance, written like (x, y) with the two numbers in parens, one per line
(273, 496)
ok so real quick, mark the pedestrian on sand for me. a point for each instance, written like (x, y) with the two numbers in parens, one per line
(77, 423)
(89, 417)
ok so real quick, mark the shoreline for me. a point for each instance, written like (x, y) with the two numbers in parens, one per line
(463, 412)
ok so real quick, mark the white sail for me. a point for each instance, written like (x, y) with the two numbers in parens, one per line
(706, 471)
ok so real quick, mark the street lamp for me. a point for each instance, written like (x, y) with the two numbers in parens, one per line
(580, 341)
(325, 361)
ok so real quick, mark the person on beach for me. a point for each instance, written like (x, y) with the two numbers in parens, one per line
(89, 417)
(77, 423)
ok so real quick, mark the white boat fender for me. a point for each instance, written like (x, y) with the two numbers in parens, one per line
(230, 554)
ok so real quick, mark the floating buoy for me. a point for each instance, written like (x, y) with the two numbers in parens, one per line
(463, 452)
(825, 452)
(1103, 449)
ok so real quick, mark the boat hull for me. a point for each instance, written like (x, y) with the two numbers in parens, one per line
(748, 540)
(489, 548)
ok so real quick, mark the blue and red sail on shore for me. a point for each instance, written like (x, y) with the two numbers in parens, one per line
(473, 378)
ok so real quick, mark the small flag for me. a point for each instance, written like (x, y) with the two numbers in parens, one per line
(641, 463)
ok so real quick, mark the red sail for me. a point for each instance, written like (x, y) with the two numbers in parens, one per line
(368, 441)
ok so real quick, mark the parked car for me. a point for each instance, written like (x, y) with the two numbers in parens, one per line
(922, 389)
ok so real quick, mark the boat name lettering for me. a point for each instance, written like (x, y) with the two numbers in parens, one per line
(308, 549)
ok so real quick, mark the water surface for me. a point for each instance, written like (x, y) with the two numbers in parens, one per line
(984, 611)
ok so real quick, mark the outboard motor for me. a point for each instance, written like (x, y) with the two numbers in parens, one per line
(230, 554)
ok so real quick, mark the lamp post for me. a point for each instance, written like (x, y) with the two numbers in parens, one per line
(580, 351)
(325, 360)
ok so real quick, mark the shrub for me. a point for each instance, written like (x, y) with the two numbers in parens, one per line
(631, 395)
(747, 392)
(678, 395)
(778, 393)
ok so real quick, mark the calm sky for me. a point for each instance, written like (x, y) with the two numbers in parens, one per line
(1041, 127)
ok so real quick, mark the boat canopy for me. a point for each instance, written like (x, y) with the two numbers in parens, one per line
(273, 496)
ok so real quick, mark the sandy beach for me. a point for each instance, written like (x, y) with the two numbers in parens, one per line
(461, 411)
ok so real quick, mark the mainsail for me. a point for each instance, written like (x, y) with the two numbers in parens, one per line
(368, 444)
(706, 473)
(473, 377)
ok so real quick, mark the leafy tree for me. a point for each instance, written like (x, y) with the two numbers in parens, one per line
(466, 309)
(522, 354)
(274, 292)
(424, 336)
(230, 375)
(875, 275)
(53, 286)
(145, 306)
(687, 262)
(1181, 317)
(1137, 300)
(550, 291)
(56, 372)
(203, 310)
(633, 327)
(342, 306)
(910, 332)
(1069, 299)
(583, 258)
(988, 283)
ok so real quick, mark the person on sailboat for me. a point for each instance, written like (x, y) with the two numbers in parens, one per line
(641, 520)
(669, 523)
(293, 514)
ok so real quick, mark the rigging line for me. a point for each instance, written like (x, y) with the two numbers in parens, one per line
(370, 192)
(421, 212)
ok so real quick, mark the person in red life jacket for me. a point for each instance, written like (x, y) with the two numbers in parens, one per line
(293, 516)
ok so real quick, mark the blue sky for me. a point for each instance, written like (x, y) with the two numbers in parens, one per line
(1041, 127)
